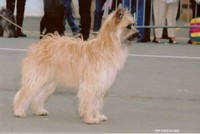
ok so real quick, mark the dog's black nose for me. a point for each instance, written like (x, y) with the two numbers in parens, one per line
(134, 36)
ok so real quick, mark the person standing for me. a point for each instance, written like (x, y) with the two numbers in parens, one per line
(165, 9)
(10, 4)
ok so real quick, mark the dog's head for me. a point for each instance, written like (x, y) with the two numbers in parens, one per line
(122, 22)
(125, 22)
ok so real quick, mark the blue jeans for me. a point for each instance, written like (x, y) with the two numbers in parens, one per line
(69, 17)
(140, 7)
(98, 13)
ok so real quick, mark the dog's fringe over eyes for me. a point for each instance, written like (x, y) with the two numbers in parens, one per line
(91, 66)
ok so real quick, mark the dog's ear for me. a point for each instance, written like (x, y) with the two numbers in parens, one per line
(119, 15)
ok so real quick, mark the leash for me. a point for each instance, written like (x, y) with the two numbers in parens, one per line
(29, 31)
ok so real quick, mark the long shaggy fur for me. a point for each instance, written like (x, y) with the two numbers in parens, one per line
(89, 65)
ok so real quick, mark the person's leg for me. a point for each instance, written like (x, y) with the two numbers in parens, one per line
(140, 17)
(198, 10)
(98, 13)
(84, 11)
(148, 11)
(159, 10)
(60, 16)
(69, 17)
(20, 16)
(192, 2)
(171, 18)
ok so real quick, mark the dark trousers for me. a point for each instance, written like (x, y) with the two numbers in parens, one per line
(98, 13)
(148, 11)
(84, 11)
(195, 9)
(10, 4)
(53, 17)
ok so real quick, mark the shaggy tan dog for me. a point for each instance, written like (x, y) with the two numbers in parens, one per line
(89, 65)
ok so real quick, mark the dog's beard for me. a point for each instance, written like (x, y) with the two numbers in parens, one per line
(129, 39)
(133, 37)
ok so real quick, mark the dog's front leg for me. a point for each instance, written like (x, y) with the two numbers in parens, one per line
(86, 98)
(99, 107)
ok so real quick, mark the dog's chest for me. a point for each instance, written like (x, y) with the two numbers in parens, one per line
(109, 72)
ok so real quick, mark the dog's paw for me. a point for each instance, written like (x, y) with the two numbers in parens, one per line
(91, 120)
(103, 117)
(41, 112)
(20, 113)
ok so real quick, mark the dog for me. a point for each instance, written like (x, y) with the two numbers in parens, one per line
(91, 66)
(5, 25)
(53, 19)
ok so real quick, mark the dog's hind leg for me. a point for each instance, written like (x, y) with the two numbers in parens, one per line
(27, 92)
(22, 100)
(38, 101)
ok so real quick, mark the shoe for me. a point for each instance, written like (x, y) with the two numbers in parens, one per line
(189, 41)
(171, 41)
(20, 34)
(157, 41)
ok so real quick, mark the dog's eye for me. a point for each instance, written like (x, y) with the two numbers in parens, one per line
(129, 26)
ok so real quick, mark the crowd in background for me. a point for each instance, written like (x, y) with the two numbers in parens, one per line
(164, 12)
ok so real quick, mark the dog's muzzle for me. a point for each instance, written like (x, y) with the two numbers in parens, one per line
(133, 37)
